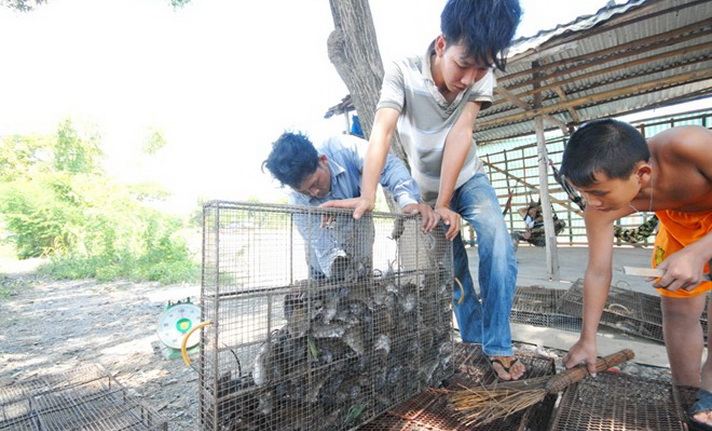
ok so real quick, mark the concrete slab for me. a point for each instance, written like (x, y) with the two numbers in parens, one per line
(572, 265)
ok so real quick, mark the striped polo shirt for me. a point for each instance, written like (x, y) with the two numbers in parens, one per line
(426, 119)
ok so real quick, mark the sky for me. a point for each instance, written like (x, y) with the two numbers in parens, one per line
(220, 79)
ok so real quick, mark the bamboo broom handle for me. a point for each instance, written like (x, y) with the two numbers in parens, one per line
(559, 382)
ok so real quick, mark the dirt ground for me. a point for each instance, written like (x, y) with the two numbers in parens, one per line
(50, 327)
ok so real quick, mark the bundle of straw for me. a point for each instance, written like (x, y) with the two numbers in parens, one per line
(482, 405)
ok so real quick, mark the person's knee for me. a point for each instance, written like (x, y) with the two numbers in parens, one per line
(683, 311)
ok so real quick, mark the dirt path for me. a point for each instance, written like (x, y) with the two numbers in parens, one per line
(50, 327)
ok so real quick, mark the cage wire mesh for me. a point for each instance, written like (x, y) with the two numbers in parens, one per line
(538, 306)
(614, 401)
(627, 311)
(84, 398)
(431, 410)
(292, 348)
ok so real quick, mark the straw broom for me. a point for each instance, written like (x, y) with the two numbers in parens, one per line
(482, 405)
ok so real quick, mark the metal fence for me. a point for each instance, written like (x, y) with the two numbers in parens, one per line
(304, 340)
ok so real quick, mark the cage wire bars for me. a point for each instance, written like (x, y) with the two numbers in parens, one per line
(289, 349)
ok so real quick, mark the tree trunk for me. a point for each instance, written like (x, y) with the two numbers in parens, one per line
(353, 50)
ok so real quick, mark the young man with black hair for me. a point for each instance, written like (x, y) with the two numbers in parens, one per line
(618, 173)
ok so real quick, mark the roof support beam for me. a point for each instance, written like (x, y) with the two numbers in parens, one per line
(564, 98)
(525, 106)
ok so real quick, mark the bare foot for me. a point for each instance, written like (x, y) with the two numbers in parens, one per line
(703, 418)
(507, 367)
(700, 416)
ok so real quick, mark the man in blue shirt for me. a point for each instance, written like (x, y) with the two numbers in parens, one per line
(334, 172)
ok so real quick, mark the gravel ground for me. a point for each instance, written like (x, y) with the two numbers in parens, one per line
(50, 327)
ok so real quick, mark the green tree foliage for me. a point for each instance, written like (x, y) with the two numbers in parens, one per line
(76, 154)
(89, 224)
(155, 142)
(22, 157)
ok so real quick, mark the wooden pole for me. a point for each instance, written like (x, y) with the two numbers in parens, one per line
(552, 256)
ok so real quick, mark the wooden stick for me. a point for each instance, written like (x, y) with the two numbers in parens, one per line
(559, 382)
(651, 272)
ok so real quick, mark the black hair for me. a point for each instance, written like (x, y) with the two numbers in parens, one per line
(606, 146)
(484, 27)
(293, 159)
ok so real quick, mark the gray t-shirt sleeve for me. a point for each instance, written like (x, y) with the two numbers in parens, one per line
(483, 90)
(392, 89)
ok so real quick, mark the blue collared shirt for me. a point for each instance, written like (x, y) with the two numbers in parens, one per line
(345, 155)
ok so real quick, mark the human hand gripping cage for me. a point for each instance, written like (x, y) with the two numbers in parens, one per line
(288, 351)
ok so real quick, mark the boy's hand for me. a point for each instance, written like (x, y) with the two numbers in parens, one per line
(360, 205)
(451, 220)
(581, 353)
(683, 270)
(429, 217)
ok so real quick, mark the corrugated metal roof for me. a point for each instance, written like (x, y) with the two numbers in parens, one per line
(626, 58)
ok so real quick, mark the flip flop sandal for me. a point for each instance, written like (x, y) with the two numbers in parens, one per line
(500, 360)
(703, 404)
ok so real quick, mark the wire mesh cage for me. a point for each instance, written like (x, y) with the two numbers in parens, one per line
(628, 311)
(319, 321)
(84, 398)
(538, 306)
(615, 401)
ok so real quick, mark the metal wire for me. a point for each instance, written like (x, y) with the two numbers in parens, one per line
(299, 345)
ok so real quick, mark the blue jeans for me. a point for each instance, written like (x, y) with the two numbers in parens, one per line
(484, 319)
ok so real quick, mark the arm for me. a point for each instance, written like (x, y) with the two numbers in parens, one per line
(457, 145)
(523, 212)
(596, 285)
(384, 126)
(397, 180)
(322, 245)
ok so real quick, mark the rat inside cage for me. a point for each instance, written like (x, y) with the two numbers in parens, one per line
(319, 321)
